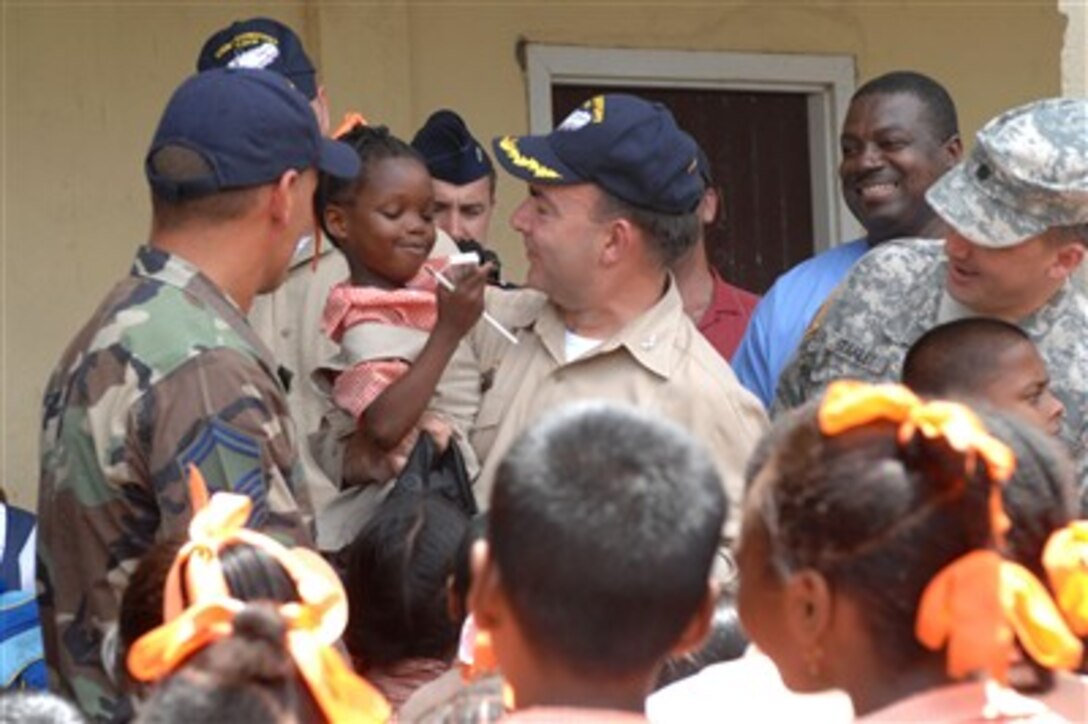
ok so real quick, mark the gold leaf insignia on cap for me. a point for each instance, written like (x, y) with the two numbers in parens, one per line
(597, 105)
(245, 40)
(509, 146)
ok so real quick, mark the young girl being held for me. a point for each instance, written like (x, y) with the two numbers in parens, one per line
(398, 330)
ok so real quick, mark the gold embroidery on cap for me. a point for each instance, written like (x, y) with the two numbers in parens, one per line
(244, 40)
(597, 103)
(509, 146)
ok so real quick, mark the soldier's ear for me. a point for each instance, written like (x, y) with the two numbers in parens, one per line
(282, 202)
(1067, 259)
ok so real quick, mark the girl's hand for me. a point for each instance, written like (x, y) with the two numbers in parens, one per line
(460, 309)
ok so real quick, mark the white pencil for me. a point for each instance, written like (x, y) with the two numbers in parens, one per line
(444, 281)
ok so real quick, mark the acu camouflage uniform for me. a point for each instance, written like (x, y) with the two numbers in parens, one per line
(166, 373)
(891, 297)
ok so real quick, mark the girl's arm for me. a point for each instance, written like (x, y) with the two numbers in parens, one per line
(394, 413)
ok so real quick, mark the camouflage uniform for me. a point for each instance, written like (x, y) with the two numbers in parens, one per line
(892, 297)
(167, 372)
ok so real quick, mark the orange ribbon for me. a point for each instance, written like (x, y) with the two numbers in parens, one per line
(1065, 559)
(352, 120)
(975, 607)
(313, 625)
(849, 404)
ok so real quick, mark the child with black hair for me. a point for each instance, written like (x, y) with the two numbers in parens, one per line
(597, 566)
(399, 632)
(984, 360)
(219, 657)
(446, 696)
(1039, 498)
(402, 368)
(873, 558)
(245, 678)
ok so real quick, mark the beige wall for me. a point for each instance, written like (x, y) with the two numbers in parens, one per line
(83, 84)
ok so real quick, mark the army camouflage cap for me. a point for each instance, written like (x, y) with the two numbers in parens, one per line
(1028, 172)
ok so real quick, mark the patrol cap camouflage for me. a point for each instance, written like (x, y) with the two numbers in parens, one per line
(630, 147)
(247, 127)
(1027, 172)
(449, 150)
(260, 43)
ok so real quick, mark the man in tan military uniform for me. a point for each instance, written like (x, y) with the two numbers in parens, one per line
(612, 203)
(167, 374)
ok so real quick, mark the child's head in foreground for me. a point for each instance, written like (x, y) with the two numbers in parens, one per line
(603, 526)
(249, 629)
(861, 507)
(984, 360)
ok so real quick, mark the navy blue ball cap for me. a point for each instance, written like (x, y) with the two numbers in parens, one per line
(260, 43)
(630, 147)
(246, 127)
(450, 151)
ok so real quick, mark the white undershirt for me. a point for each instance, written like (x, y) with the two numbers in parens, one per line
(576, 346)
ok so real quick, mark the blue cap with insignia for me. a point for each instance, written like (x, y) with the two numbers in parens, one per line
(449, 150)
(260, 43)
(631, 148)
(233, 128)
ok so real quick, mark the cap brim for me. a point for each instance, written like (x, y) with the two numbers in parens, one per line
(532, 159)
(338, 159)
(957, 199)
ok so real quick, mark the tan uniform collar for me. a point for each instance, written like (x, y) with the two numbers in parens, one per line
(650, 338)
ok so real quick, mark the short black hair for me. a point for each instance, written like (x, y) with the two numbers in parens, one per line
(944, 122)
(959, 358)
(371, 143)
(179, 163)
(397, 568)
(603, 527)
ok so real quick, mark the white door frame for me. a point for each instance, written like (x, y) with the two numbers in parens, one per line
(828, 81)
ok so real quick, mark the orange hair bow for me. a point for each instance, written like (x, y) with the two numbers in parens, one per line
(849, 404)
(352, 119)
(313, 625)
(1065, 559)
(978, 603)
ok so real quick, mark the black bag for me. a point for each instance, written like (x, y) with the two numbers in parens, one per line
(428, 472)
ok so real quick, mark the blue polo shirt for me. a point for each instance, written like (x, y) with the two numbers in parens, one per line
(782, 316)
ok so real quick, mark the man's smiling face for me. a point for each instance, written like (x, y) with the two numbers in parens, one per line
(890, 156)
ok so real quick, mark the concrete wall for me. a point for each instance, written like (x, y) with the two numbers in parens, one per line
(84, 82)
